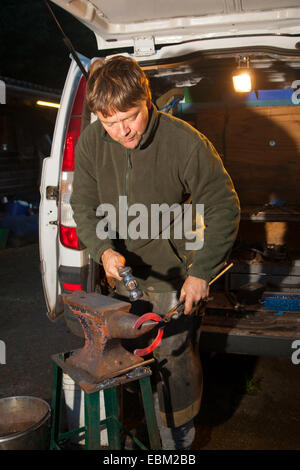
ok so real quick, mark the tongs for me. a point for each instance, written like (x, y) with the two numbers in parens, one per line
(174, 313)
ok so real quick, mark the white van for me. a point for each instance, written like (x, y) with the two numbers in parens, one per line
(190, 50)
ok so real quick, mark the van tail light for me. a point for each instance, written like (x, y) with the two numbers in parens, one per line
(67, 225)
(73, 133)
(72, 287)
(68, 237)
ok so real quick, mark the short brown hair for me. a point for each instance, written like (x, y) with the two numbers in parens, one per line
(116, 84)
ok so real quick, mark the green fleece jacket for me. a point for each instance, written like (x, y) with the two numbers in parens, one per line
(173, 164)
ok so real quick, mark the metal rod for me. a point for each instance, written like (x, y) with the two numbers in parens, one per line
(220, 274)
(134, 366)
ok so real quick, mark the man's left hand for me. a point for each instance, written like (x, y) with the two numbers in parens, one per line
(192, 291)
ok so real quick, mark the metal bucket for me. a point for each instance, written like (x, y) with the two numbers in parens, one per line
(24, 423)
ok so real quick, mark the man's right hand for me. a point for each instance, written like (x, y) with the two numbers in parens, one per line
(112, 262)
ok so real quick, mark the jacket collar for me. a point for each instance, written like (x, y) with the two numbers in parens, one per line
(149, 133)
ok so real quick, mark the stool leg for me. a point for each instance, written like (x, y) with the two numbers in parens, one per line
(111, 410)
(92, 420)
(153, 432)
(56, 405)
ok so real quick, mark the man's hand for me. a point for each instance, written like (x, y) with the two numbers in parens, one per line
(192, 291)
(112, 263)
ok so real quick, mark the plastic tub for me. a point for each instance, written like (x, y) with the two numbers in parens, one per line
(24, 423)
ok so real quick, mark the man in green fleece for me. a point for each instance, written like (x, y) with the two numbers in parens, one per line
(132, 159)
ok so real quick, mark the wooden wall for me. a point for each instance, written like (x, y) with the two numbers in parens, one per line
(260, 147)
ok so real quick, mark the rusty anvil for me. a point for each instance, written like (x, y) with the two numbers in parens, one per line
(105, 321)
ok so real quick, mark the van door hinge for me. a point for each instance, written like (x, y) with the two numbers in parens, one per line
(144, 46)
(52, 192)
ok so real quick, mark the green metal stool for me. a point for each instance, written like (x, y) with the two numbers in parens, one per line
(92, 411)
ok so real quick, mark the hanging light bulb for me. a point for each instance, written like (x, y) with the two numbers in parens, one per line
(242, 82)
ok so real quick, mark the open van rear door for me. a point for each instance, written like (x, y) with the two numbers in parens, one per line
(57, 230)
(149, 26)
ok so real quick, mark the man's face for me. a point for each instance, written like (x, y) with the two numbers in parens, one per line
(127, 127)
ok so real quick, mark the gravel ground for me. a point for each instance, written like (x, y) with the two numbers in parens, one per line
(249, 403)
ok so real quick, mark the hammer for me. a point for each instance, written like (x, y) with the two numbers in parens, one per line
(130, 283)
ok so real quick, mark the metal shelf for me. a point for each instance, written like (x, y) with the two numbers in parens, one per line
(271, 214)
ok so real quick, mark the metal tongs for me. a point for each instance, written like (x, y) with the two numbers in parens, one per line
(174, 313)
(178, 309)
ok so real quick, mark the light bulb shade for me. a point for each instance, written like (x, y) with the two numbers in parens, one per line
(242, 82)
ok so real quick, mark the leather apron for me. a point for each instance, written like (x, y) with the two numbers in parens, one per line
(178, 372)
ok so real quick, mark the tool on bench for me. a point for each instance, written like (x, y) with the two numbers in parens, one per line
(162, 321)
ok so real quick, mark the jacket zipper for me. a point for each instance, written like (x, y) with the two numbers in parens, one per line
(129, 167)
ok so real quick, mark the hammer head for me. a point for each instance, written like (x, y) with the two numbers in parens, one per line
(130, 284)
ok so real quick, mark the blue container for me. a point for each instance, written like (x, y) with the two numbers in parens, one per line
(278, 301)
(16, 207)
